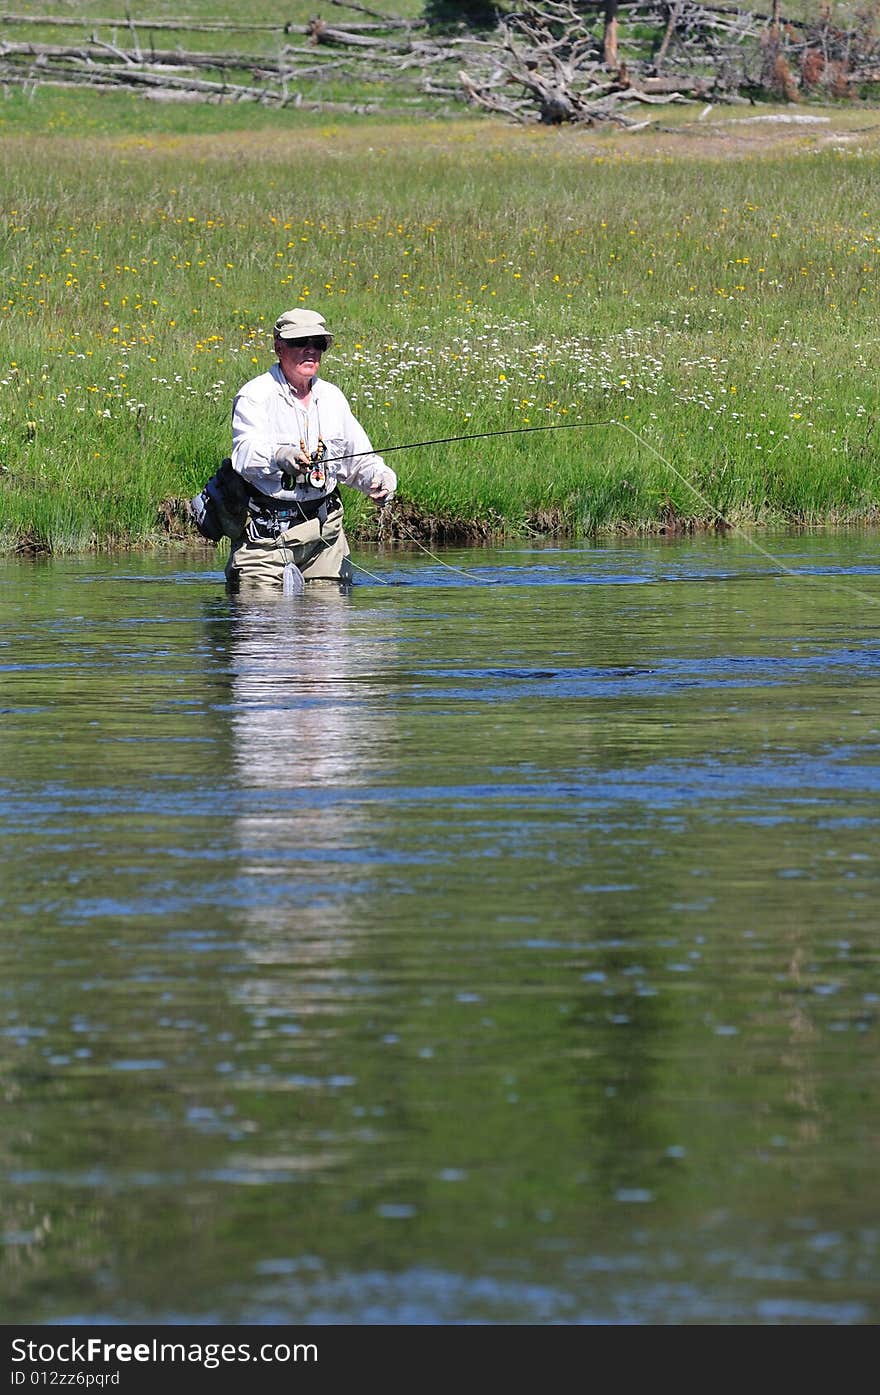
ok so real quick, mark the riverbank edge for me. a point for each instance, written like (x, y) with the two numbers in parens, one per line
(403, 522)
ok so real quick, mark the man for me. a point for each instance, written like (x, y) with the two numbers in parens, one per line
(294, 441)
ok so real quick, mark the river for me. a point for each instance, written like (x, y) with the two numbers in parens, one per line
(488, 945)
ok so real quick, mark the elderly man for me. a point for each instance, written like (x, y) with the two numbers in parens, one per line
(294, 441)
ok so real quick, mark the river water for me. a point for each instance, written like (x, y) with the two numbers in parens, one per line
(489, 945)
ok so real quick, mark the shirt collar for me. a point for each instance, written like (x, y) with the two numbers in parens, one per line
(284, 386)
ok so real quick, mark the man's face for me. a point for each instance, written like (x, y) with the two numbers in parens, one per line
(299, 358)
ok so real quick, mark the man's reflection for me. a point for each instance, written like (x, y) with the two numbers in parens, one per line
(302, 718)
(303, 693)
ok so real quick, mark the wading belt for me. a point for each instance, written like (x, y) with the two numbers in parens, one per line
(270, 517)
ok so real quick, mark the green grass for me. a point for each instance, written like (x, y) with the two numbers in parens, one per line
(716, 312)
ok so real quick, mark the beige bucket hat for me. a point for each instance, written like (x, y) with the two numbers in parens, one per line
(302, 324)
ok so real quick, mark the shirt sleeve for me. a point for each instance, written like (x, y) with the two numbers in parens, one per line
(253, 452)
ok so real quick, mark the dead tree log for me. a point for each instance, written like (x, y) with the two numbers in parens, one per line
(195, 26)
(96, 51)
(106, 76)
(321, 33)
(544, 59)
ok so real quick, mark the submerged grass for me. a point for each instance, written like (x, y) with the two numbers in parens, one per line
(712, 306)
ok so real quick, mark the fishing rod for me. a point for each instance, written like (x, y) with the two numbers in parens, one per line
(476, 436)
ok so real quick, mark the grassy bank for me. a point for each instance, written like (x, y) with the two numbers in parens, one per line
(705, 294)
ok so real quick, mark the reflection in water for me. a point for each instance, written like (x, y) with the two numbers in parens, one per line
(296, 702)
(304, 715)
(292, 663)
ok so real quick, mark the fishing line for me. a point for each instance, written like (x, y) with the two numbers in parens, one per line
(448, 565)
(740, 532)
(371, 575)
(412, 537)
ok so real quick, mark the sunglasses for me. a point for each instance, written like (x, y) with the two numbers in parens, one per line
(314, 343)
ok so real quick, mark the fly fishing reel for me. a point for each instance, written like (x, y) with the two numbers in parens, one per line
(310, 468)
(318, 473)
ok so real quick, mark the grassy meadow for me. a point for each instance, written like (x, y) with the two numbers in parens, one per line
(701, 294)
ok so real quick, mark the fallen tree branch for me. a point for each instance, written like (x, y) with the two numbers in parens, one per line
(321, 33)
(107, 75)
(195, 26)
(202, 26)
(183, 92)
(97, 52)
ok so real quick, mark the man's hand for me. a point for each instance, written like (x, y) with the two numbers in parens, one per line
(383, 485)
(292, 461)
(289, 458)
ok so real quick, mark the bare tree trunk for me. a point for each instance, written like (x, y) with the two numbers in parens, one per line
(609, 39)
(777, 77)
(674, 14)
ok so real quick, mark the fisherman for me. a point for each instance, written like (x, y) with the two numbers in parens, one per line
(294, 441)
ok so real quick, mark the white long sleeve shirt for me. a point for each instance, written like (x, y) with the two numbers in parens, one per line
(266, 415)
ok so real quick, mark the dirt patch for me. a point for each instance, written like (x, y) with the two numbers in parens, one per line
(767, 135)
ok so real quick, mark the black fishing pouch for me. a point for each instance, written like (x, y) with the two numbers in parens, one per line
(220, 510)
